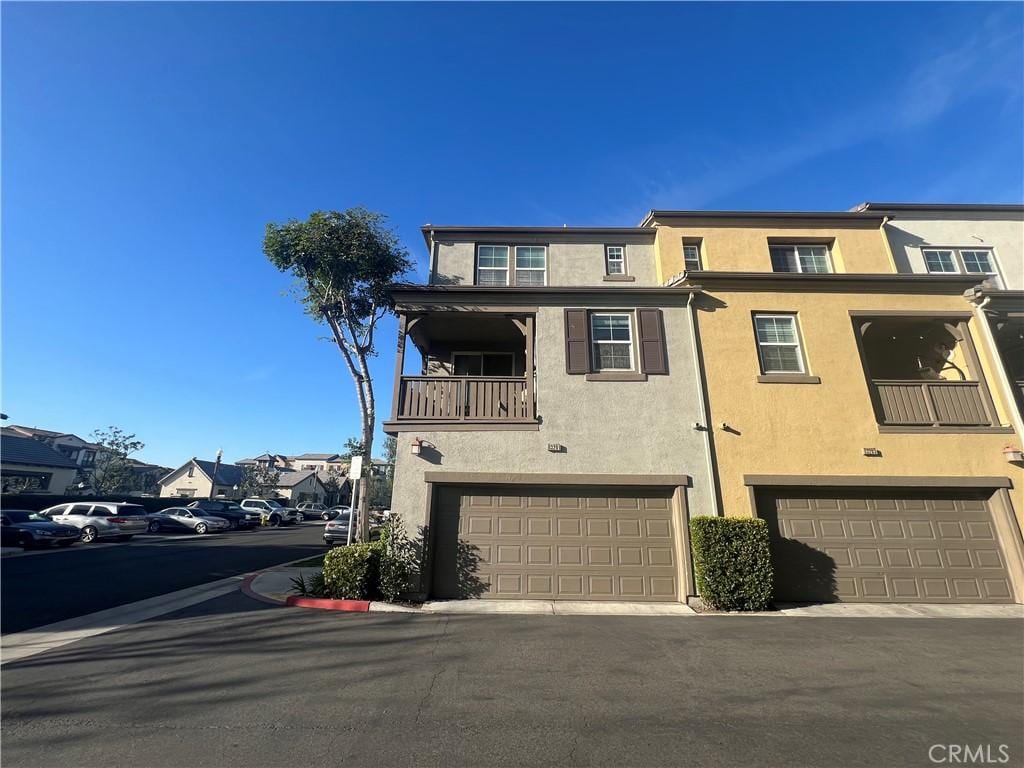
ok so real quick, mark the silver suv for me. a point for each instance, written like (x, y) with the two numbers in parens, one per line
(100, 520)
(272, 513)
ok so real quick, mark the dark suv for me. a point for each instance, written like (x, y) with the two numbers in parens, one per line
(230, 511)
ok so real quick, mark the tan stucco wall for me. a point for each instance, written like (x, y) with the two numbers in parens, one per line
(822, 429)
(1005, 236)
(569, 263)
(738, 246)
(199, 482)
(607, 427)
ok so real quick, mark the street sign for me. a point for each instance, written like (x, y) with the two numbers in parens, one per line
(355, 467)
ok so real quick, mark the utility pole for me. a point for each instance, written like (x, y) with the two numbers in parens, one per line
(216, 469)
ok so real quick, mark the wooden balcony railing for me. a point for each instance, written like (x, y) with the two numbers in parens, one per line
(931, 403)
(464, 398)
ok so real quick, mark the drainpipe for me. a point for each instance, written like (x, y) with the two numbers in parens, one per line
(701, 399)
(978, 308)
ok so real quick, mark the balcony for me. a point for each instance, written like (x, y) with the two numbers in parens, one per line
(464, 398)
(931, 403)
(923, 373)
(475, 372)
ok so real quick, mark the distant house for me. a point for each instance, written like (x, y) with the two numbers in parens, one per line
(71, 446)
(28, 465)
(194, 479)
(146, 477)
(300, 485)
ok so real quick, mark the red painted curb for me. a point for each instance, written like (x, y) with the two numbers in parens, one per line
(353, 606)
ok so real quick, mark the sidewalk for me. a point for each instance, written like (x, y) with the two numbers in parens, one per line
(275, 586)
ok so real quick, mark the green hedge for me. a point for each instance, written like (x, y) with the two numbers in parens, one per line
(350, 573)
(732, 562)
(377, 570)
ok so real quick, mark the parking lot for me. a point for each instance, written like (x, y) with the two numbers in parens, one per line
(41, 586)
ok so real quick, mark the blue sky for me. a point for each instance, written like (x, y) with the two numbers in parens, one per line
(145, 147)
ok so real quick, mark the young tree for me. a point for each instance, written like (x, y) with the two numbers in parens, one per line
(344, 264)
(112, 471)
(259, 480)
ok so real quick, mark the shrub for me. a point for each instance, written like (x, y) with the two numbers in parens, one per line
(350, 572)
(732, 562)
(396, 561)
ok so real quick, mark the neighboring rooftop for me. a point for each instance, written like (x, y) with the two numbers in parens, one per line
(316, 457)
(940, 207)
(227, 474)
(292, 478)
(31, 452)
(853, 215)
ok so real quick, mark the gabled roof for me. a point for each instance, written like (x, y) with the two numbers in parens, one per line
(28, 450)
(227, 474)
(49, 434)
(293, 478)
(316, 457)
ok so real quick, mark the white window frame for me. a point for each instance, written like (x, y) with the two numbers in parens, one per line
(796, 257)
(594, 359)
(798, 343)
(479, 269)
(516, 269)
(959, 266)
(620, 261)
(696, 250)
(480, 354)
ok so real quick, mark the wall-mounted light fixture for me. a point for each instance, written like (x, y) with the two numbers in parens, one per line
(1013, 454)
(418, 444)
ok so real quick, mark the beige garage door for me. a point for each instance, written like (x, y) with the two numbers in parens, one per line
(554, 544)
(886, 546)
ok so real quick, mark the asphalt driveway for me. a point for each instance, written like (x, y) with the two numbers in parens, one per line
(232, 682)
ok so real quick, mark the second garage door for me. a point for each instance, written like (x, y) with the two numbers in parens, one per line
(554, 544)
(884, 546)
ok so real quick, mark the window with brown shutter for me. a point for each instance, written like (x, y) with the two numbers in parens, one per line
(577, 354)
(579, 338)
(651, 333)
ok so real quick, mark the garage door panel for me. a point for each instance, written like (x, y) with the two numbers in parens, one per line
(610, 545)
(884, 546)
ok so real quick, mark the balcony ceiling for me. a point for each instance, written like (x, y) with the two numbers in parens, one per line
(464, 327)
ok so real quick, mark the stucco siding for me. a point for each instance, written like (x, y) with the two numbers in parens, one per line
(1005, 236)
(199, 483)
(822, 429)
(60, 477)
(624, 428)
(572, 263)
(734, 246)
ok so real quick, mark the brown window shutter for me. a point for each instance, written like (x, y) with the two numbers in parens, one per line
(577, 354)
(651, 330)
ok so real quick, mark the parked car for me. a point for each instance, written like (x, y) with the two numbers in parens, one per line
(332, 512)
(311, 508)
(100, 520)
(230, 511)
(197, 521)
(25, 528)
(336, 530)
(272, 512)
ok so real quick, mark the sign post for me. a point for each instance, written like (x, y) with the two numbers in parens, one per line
(355, 471)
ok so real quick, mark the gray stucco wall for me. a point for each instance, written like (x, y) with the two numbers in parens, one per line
(571, 261)
(606, 427)
(1004, 235)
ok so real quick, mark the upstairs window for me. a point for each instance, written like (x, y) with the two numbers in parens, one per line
(801, 258)
(615, 259)
(492, 265)
(973, 261)
(531, 265)
(778, 344)
(611, 337)
(691, 255)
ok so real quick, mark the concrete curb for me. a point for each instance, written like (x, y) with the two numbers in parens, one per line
(248, 591)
